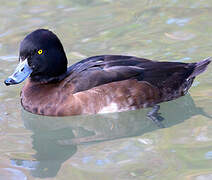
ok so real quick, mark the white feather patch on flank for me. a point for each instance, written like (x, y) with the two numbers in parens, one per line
(112, 107)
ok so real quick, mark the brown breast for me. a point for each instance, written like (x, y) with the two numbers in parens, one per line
(58, 99)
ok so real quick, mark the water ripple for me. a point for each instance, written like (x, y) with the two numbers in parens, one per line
(178, 21)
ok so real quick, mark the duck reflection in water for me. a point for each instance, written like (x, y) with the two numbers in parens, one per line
(55, 140)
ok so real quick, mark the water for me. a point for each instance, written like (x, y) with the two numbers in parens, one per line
(123, 145)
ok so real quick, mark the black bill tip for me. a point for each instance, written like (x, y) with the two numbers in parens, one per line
(9, 81)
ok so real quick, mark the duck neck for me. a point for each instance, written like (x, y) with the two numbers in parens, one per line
(48, 79)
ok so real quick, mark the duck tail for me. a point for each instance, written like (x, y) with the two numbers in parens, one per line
(200, 67)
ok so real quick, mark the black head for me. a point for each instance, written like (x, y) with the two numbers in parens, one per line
(44, 55)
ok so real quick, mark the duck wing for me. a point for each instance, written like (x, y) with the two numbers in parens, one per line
(98, 70)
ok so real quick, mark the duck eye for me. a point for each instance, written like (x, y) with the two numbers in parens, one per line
(40, 51)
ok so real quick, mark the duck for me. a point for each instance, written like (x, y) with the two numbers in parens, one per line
(98, 84)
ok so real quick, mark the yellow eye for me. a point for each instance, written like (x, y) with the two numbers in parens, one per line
(40, 51)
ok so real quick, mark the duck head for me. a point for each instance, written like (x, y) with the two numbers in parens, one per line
(41, 57)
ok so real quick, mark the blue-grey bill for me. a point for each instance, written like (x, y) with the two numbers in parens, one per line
(22, 71)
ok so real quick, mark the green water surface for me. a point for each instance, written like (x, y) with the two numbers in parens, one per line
(123, 145)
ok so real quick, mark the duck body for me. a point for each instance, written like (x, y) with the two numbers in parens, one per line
(109, 83)
(99, 84)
